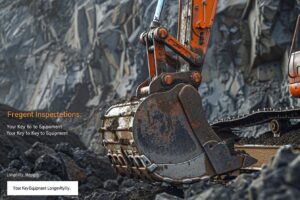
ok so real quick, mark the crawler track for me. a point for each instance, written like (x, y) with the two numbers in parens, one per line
(257, 117)
(125, 158)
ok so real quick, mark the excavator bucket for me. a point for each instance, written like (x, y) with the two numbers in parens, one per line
(165, 137)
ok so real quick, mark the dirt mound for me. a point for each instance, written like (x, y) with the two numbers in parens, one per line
(290, 137)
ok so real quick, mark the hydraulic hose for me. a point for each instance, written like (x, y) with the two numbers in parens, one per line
(158, 11)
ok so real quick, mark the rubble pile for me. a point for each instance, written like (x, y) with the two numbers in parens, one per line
(278, 180)
(97, 180)
(62, 159)
(56, 158)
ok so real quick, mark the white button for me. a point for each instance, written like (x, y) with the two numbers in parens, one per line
(42, 188)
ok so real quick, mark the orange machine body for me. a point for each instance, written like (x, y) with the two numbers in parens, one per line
(202, 20)
(201, 14)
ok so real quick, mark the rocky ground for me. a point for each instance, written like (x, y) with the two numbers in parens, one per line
(278, 180)
(80, 55)
(66, 158)
(55, 158)
(290, 137)
(97, 181)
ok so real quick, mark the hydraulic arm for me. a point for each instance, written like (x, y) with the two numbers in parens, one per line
(163, 135)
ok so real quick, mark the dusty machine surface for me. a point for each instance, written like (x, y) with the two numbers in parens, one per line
(294, 63)
(163, 134)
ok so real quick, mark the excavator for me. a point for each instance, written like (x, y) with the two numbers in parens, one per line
(294, 63)
(162, 135)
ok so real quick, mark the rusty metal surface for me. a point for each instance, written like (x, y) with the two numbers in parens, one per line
(128, 160)
(194, 59)
(152, 138)
(161, 130)
(218, 152)
(158, 85)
